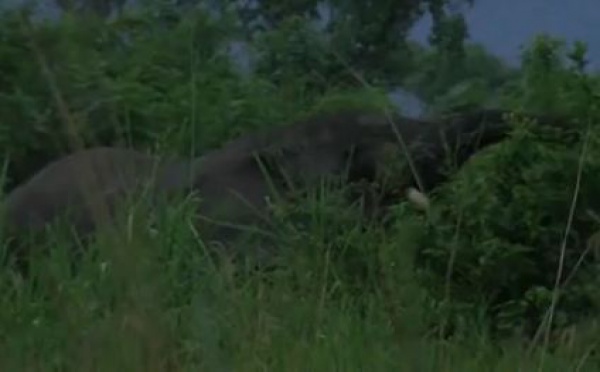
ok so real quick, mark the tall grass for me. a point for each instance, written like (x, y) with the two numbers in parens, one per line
(139, 301)
(344, 296)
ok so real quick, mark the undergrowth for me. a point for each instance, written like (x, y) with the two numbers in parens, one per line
(469, 285)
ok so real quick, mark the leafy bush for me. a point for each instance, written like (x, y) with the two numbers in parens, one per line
(487, 253)
(495, 235)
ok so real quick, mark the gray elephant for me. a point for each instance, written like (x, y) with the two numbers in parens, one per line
(236, 181)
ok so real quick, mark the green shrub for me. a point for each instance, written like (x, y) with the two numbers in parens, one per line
(349, 294)
(495, 234)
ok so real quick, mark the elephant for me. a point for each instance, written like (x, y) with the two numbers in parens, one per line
(86, 187)
(352, 142)
(236, 182)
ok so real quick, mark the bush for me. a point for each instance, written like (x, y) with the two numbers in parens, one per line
(494, 239)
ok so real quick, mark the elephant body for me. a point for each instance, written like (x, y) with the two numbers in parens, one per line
(231, 181)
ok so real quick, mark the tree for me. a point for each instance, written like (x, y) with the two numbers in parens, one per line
(101, 8)
(369, 35)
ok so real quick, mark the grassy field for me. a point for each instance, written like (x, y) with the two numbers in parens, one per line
(144, 302)
(344, 296)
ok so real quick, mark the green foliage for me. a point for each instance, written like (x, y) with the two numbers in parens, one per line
(100, 8)
(553, 80)
(364, 98)
(131, 81)
(499, 226)
(349, 295)
(445, 81)
(369, 36)
(296, 58)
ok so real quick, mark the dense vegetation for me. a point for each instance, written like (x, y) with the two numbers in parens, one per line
(470, 285)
